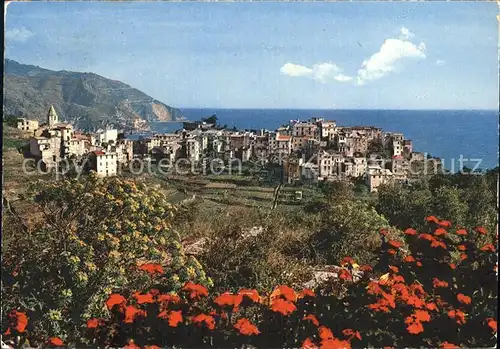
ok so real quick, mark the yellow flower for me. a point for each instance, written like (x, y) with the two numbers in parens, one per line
(90, 266)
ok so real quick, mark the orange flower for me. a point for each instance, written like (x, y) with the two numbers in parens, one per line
(94, 323)
(228, 299)
(55, 342)
(445, 224)
(437, 243)
(488, 248)
(282, 306)
(132, 345)
(432, 219)
(131, 313)
(344, 274)
(253, 295)
(195, 291)
(152, 268)
(18, 321)
(419, 264)
(312, 318)
(453, 266)
(426, 236)
(415, 301)
(246, 328)
(114, 300)
(325, 333)
(457, 315)
(335, 344)
(446, 345)
(438, 283)
(409, 259)
(395, 244)
(309, 344)
(492, 323)
(481, 230)
(306, 293)
(463, 298)
(462, 248)
(203, 319)
(415, 327)
(463, 257)
(410, 231)
(366, 268)
(374, 288)
(285, 292)
(461, 232)
(347, 260)
(431, 306)
(351, 333)
(394, 269)
(143, 298)
(440, 232)
(383, 232)
(168, 298)
(391, 251)
(422, 316)
(174, 317)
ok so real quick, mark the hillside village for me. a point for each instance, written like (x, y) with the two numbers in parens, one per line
(308, 151)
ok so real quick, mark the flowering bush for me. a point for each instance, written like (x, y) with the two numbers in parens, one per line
(438, 292)
(85, 240)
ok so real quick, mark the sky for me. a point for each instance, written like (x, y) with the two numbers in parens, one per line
(320, 55)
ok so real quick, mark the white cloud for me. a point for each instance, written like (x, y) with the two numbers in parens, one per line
(406, 34)
(322, 72)
(440, 62)
(387, 58)
(19, 34)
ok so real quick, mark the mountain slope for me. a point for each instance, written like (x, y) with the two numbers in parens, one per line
(87, 100)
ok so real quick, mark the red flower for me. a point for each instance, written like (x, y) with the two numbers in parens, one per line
(285, 292)
(335, 344)
(426, 236)
(325, 333)
(457, 315)
(488, 248)
(453, 266)
(432, 219)
(394, 269)
(481, 230)
(445, 224)
(350, 333)
(344, 274)
(391, 251)
(446, 345)
(174, 317)
(253, 295)
(204, 319)
(431, 306)
(366, 268)
(143, 298)
(492, 324)
(282, 306)
(415, 301)
(410, 231)
(228, 299)
(415, 327)
(437, 243)
(383, 232)
(463, 257)
(461, 232)
(312, 318)
(114, 300)
(347, 260)
(438, 283)
(152, 268)
(422, 316)
(462, 248)
(308, 344)
(166, 299)
(440, 232)
(131, 313)
(306, 293)
(374, 288)
(132, 345)
(195, 291)
(18, 321)
(419, 264)
(409, 259)
(463, 298)
(395, 244)
(246, 328)
(55, 342)
(94, 323)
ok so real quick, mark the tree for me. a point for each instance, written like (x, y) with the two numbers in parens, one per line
(210, 120)
(88, 240)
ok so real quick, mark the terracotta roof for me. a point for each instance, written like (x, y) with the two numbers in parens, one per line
(283, 138)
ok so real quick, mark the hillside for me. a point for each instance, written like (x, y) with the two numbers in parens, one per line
(87, 100)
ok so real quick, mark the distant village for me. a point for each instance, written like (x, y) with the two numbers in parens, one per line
(309, 151)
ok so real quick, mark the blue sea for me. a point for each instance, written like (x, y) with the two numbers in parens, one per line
(445, 134)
